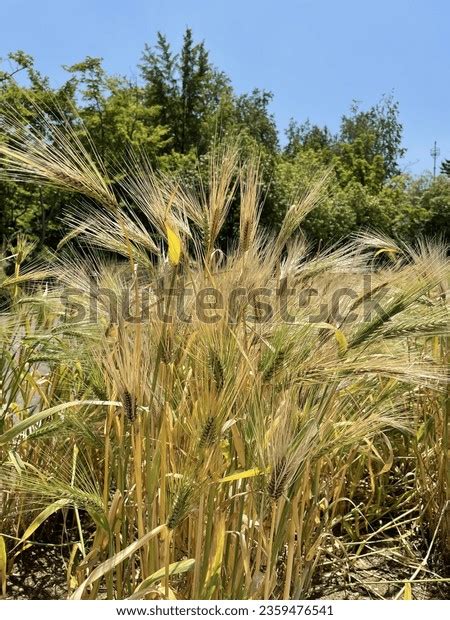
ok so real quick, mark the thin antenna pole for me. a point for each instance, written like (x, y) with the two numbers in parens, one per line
(435, 152)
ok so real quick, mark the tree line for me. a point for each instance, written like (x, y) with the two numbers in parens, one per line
(180, 105)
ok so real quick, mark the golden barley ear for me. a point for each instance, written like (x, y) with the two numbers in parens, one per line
(51, 154)
(301, 206)
(250, 204)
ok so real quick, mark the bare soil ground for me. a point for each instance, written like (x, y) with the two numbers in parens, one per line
(40, 573)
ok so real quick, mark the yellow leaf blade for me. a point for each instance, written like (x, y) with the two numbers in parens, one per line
(240, 475)
(341, 341)
(3, 565)
(407, 594)
(212, 579)
(174, 243)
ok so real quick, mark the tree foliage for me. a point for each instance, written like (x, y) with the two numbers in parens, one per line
(181, 104)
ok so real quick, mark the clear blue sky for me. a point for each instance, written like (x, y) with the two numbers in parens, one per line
(315, 55)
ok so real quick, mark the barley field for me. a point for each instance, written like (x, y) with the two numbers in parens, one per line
(186, 419)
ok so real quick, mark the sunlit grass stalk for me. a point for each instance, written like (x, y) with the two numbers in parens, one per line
(269, 575)
(290, 549)
(198, 555)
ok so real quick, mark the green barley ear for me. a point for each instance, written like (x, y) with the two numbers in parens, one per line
(100, 391)
(180, 506)
(129, 405)
(209, 433)
(44, 358)
(278, 479)
(97, 383)
(217, 369)
(269, 367)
